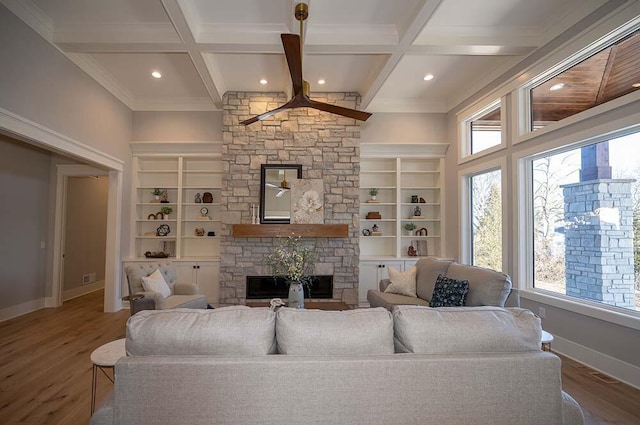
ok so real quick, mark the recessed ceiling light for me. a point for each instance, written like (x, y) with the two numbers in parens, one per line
(321, 81)
(428, 77)
(636, 85)
(263, 81)
(557, 86)
(156, 74)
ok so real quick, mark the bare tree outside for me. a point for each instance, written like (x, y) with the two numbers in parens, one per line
(486, 201)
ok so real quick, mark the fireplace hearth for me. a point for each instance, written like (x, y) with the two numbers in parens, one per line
(265, 287)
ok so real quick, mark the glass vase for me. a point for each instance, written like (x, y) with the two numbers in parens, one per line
(296, 295)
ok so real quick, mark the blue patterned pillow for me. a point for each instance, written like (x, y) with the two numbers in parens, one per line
(449, 292)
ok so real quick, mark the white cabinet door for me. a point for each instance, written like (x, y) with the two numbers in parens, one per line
(205, 274)
(368, 280)
(371, 273)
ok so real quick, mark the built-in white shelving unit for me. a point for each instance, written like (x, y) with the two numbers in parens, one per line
(399, 172)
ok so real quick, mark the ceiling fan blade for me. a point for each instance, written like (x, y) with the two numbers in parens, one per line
(291, 44)
(339, 110)
(267, 114)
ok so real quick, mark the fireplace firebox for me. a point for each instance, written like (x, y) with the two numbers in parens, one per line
(262, 287)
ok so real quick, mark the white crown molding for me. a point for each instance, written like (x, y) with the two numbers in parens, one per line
(352, 34)
(214, 71)
(403, 149)
(408, 106)
(240, 33)
(492, 36)
(146, 103)
(102, 76)
(184, 147)
(116, 33)
(30, 131)
(31, 14)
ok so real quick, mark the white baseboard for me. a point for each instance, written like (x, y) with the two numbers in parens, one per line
(20, 309)
(622, 371)
(82, 290)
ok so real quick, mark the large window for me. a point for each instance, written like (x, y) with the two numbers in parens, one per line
(486, 219)
(586, 222)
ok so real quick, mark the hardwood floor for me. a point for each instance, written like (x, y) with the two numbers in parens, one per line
(45, 369)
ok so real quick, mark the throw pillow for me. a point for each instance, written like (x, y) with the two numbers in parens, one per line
(155, 283)
(449, 292)
(403, 283)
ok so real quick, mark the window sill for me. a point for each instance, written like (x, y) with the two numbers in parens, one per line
(587, 308)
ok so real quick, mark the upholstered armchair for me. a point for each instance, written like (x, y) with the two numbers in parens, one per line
(184, 295)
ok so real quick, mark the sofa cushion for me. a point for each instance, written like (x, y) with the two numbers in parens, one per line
(486, 287)
(427, 271)
(387, 300)
(155, 283)
(317, 332)
(402, 283)
(448, 330)
(449, 292)
(235, 331)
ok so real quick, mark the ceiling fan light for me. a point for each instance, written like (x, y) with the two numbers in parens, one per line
(156, 74)
(428, 77)
(557, 86)
(263, 81)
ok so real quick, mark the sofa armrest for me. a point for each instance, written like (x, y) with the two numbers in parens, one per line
(571, 411)
(155, 297)
(181, 288)
(513, 299)
(384, 283)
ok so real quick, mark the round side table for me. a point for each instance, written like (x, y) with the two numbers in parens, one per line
(105, 357)
(547, 339)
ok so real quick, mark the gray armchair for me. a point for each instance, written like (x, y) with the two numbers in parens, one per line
(184, 295)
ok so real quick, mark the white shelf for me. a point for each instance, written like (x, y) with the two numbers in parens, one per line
(400, 175)
(190, 169)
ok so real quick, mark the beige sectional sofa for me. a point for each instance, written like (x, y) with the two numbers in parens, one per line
(417, 365)
(486, 287)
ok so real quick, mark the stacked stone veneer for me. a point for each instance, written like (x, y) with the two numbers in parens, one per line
(327, 146)
(599, 241)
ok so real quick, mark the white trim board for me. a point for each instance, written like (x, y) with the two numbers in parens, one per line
(20, 309)
(622, 371)
(30, 131)
(70, 294)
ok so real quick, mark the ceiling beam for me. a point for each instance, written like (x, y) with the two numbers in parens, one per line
(424, 11)
(179, 21)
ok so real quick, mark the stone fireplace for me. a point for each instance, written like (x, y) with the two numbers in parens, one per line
(327, 146)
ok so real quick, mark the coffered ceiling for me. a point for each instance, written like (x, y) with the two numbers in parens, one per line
(379, 48)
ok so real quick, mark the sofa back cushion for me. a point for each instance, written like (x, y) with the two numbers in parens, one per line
(486, 287)
(235, 331)
(317, 332)
(427, 271)
(449, 330)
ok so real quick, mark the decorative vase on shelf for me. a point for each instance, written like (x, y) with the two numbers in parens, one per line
(296, 295)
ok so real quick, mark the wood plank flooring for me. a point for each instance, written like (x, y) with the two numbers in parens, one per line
(45, 369)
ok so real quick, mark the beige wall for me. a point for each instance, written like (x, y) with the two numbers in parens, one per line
(177, 126)
(405, 128)
(24, 185)
(85, 233)
(40, 84)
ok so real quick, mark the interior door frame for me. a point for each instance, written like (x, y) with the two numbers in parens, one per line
(28, 131)
(63, 172)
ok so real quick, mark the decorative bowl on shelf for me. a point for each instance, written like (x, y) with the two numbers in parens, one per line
(154, 254)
